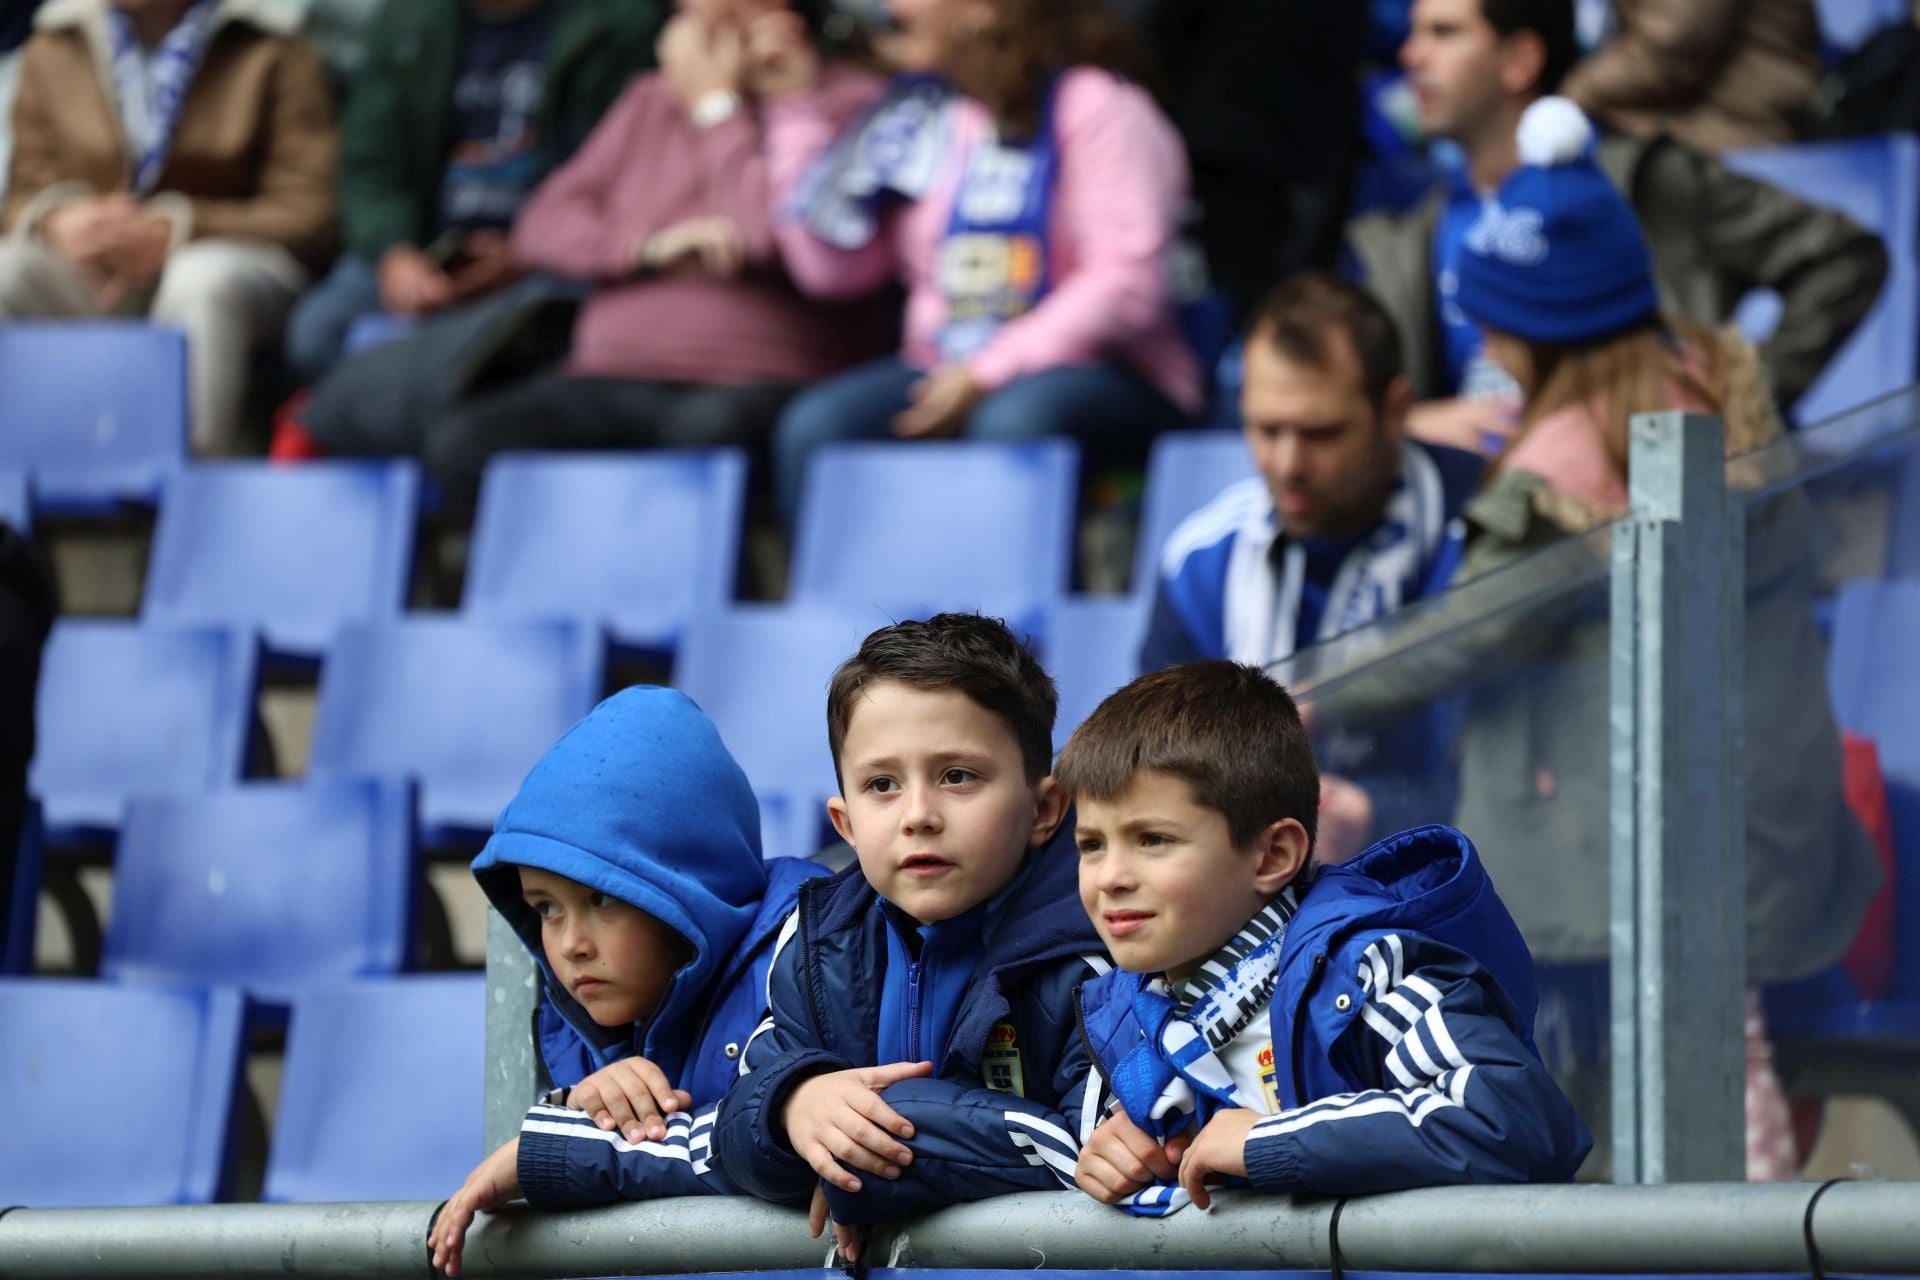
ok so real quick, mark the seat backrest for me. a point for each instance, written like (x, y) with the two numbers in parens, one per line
(1092, 647)
(1845, 25)
(463, 708)
(127, 710)
(1185, 472)
(1876, 182)
(384, 1092)
(16, 508)
(292, 551)
(641, 543)
(96, 411)
(170, 1061)
(274, 888)
(913, 527)
(1876, 693)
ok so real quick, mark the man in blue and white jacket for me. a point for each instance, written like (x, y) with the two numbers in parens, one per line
(1348, 520)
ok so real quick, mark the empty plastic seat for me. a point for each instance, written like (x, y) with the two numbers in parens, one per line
(642, 543)
(129, 710)
(16, 509)
(1092, 648)
(275, 888)
(384, 1091)
(292, 551)
(117, 1095)
(910, 528)
(1185, 472)
(1876, 182)
(463, 708)
(1845, 25)
(96, 412)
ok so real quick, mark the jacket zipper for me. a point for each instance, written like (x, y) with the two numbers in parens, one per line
(807, 961)
(1299, 1016)
(1086, 1041)
(914, 968)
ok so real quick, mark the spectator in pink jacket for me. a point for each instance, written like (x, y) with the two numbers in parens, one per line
(693, 335)
(1024, 193)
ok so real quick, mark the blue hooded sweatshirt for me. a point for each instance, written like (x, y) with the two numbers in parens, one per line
(641, 801)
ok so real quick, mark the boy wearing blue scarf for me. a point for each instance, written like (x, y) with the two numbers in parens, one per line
(1336, 1030)
(918, 1047)
(629, 864)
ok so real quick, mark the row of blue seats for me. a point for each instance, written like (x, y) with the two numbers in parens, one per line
(381, 1098)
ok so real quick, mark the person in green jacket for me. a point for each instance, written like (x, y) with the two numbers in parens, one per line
(457, 112)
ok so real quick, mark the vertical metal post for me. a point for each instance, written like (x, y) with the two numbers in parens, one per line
(1678, 811)
(512, 988)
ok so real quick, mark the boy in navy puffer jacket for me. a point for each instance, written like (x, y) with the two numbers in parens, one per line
(629, 864)
(918, 1047)
(1357, 1028)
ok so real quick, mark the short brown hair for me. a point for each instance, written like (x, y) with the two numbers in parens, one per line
(1010, 65)
(968, 652)
(1304, 310)
(1228, 729)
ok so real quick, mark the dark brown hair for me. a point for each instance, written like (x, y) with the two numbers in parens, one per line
(1552, 21)
(1229, 730)
(976, 655)
(1009, 64)
(1303, 313)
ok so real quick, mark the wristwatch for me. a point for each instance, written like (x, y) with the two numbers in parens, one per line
(713, 106)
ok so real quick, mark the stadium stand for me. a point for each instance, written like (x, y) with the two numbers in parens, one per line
(462, 708)
(293, 552)
(910, 529)
(163, 1140)
(1092, 647)
(641, 543)
(274, 888)
(96, 413)
(1185, 472)
(1845, 25)
(128, 710)
(383, 1091)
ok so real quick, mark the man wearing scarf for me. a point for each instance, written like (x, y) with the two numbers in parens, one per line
(174, 159)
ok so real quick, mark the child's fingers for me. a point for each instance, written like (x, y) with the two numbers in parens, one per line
(1193, 1177)
(875, 1108)
(684, 1098)
(817, 1213)
(847, 1240)
(1149, 1158)
(893, 1073)
(822, 1162)
(864, 1146)
(450, 1234)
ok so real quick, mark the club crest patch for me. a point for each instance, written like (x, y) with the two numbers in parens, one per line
(1269, 1082)
(1000, 1068)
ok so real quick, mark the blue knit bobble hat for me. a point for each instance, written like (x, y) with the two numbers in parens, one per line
(1557, 255)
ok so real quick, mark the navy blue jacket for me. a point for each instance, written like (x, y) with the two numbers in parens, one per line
(1002, 1111)
(1405, 1003)
(642, 802)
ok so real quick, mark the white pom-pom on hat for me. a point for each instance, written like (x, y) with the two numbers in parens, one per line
(1553, 131)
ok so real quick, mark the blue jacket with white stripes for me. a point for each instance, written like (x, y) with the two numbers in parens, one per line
(1404, 1003)
(993, 1118)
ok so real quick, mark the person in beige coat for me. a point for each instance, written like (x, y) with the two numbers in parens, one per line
(1716, 74)
(174, 159)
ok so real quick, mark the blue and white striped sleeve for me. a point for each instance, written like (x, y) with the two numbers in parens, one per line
(567, 1160)
(1458, 1096)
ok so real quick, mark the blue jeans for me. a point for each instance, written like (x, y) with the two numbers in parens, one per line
(1112, 412)
(317, 330)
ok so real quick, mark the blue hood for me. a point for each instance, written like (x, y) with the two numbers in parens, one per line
(640, 801)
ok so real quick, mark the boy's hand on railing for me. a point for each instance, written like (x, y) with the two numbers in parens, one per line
(1221, 1149)
(495, 1182)
(632, 1096)
(847, 1241)
(840, 1117)
(1121, 1158)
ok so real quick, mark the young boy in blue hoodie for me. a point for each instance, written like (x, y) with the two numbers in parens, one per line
(918, 1047)
(1339, 1030)
(629, 864)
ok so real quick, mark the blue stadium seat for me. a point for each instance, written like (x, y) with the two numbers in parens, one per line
(1876, 693)
(1876, 182)
(462, 708)
(1185, 472)
(375, 330)
(1845, 25)
(913, 527)
(293, 551)
(643, 543)
(117, 1095)
(21, 922)
(16, 509)
(96, 412)
(383, 1095)
(275, 888)
(129, 710)
(761, 672)
(1092, 647)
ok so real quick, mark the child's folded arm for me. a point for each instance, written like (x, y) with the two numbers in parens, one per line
(1460, 1097)
(568, 1160)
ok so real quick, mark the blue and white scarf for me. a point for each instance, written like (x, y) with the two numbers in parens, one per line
(897, 148)
(1414, 548)
(1175, 1078)
(151, 88)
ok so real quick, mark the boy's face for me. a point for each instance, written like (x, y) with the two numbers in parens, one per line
(936, 802)
(612, 957)
(1162, 879)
